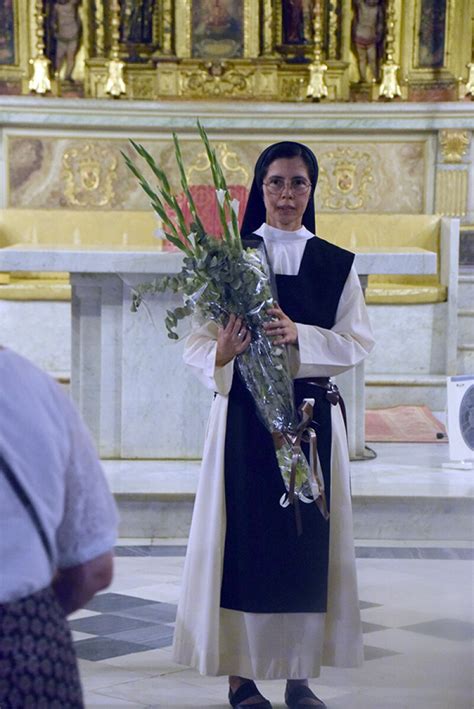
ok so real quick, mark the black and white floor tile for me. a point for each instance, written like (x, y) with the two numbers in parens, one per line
(417, 621)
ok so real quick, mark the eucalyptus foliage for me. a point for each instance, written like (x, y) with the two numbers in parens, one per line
(219, 277)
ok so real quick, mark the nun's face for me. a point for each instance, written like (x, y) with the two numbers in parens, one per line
(286, 192)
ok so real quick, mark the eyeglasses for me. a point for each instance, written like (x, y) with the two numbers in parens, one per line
(298, 185)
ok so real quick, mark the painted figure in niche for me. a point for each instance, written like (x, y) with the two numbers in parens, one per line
(67, 32)
(137, 21)
(217, 28)
(432, 33)
(367, 36)
(293, 21)
(7, 36)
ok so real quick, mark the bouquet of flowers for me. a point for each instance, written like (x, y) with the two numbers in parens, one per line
(219, 277)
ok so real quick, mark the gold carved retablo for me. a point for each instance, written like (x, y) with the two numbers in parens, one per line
(89, 173)
(453, 145)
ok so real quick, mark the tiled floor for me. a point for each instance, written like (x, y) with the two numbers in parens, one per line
(416, 604)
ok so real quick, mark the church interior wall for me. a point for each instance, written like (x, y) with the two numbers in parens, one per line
(392, 130)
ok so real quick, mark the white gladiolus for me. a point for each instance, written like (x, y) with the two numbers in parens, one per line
(159, 233)
(220, 194)
(235, 204)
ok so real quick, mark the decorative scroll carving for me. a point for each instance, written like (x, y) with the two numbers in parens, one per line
(453, 145)
(89, 173)
(216, 79)
(346, 184)
(234, 170)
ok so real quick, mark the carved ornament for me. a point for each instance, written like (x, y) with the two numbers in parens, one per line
(453, 145)
(234, 170)
(89, 173)
(216, 79)
(345, 177)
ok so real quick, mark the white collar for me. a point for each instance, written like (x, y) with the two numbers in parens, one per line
(273, 234)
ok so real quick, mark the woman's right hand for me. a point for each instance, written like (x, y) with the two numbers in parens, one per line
(232, 340)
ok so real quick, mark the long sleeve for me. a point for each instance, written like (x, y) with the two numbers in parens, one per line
(200, 355)
(325, 353)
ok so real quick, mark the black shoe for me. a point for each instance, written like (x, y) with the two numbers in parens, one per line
(245, 691)
(294, 696)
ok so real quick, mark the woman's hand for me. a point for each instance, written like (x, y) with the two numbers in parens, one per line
(232, 340)
(281, 327)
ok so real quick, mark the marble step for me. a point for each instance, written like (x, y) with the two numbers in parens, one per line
(384, 390)
(404, 493)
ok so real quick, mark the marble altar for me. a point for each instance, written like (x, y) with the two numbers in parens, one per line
(127, 377)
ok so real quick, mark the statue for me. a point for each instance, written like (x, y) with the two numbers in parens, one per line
(67, 32)
(137, 21)
(368, 35)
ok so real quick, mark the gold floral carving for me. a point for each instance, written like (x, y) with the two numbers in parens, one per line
(89, 173)
(142, 86)
(230, 161)
(293, 88)
(216, 80)
(345, 177)
(453, 145)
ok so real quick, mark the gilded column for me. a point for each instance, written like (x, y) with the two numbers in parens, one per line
(40, 82)
(317, 88)
(267, 27)
(389, 87)
(115, 85)
(332, 30)
(99, 28)
(167, 27)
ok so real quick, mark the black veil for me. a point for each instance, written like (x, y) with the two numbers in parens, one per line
(255, 212)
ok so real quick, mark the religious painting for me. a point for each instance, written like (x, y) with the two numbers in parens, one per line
(217, 29)
(7, 33)
(297, 19)
(432, 34)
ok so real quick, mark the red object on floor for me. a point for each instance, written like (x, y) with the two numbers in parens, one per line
(403, 424)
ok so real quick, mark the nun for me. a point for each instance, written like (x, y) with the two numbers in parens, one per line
(258, 600)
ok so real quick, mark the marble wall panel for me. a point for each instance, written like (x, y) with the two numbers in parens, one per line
(409, 339)
(89, 173)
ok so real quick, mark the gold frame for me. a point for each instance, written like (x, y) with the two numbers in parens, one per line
(183, 28)
(18, 70)
(457, 47)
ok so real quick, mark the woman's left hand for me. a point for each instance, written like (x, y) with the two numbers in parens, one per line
(281, 327)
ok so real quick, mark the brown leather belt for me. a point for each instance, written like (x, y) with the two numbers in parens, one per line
(333, 395)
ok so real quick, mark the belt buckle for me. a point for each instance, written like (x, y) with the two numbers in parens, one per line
(332, 394)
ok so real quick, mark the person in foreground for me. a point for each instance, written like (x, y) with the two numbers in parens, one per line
(58, 531)
(258, 601)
